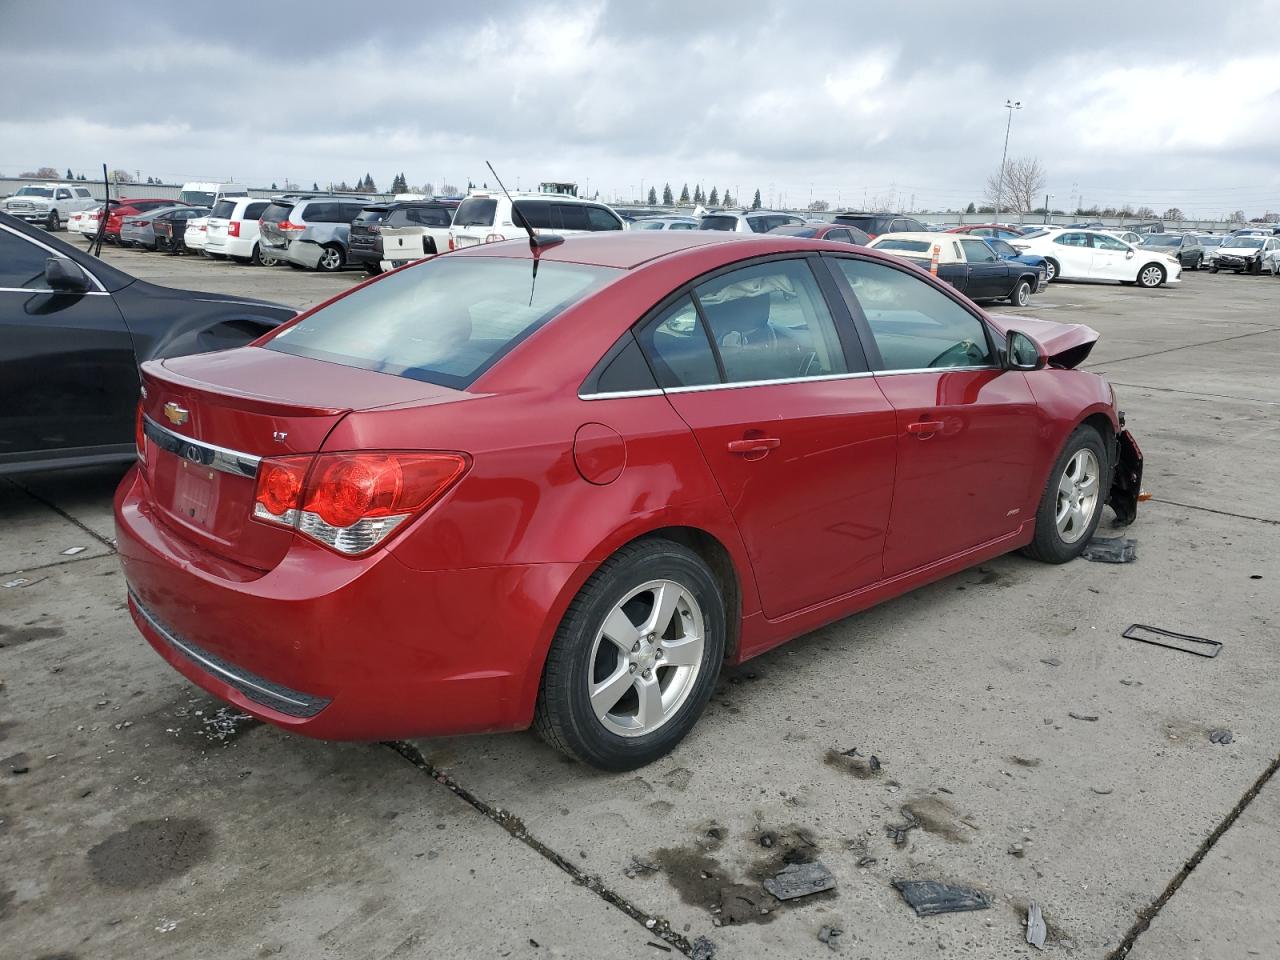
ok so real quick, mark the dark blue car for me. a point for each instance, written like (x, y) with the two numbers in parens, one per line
(1005, 251)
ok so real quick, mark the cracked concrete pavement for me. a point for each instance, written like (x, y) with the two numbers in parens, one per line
(150, 821)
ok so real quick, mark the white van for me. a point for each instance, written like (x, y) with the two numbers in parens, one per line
(202, 193)
(486, 217)
(231, 230)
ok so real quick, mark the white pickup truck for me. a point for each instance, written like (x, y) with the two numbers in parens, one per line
(48, 204)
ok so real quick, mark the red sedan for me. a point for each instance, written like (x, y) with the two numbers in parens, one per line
(129, 207)
(501, 488)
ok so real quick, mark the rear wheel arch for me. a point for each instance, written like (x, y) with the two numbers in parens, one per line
(717, 557)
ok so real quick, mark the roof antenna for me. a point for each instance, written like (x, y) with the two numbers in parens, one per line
(536, 241)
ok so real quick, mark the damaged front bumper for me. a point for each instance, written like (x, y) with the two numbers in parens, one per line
(1126, 480)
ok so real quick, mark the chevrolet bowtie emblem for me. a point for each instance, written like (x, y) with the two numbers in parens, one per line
(175, 414)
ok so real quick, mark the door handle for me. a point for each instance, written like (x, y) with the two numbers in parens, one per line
(924, 429)
(757, 445)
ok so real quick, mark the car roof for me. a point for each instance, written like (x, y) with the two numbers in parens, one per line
(918, 235)
(558, 197)
(627, 250)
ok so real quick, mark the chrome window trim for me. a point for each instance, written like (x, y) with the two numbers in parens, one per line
(49, 249)
(892, 373)
(769, 383)
(626, 394)
(621, 394)
(211, 455)
(83, 293)
(209, 665)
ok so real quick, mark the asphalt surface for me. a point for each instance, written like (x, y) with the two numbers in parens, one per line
(1026, 749)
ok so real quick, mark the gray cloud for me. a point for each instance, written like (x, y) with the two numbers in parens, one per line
(1167, 105)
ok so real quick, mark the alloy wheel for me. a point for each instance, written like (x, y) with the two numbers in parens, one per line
(1078, 495)
(646, 657)
(331, 259)
(1151, 276)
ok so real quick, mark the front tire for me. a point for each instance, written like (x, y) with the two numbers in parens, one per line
(1199, 264)
(1021, 295)
(54, 223)
(1151, 276)
(1071, 505)
(635, 659)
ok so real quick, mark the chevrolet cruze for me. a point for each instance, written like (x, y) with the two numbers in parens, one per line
(561, 485)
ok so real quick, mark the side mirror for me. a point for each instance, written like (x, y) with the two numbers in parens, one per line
(1023, 353)
(65, 276)
(1128, 254)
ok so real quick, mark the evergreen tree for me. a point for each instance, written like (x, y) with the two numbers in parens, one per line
(315, 187)
(713, 199)
(273, 185)
(69, 174)
(697, 194)
(970, 208)
(668, 198)
(684, 194)
(470, 185)
(755, 204)
(368, 184)
(653, 197)
(726, 200)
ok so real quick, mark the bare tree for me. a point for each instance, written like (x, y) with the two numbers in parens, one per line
(44, 173)
(1145, 213)
(819, 206)
(1173, 213)
(121, 176)
(1020, 188)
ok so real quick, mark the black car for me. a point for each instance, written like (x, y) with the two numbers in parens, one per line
(366, 249)
(1185, 246)
(73, 330)
(874, 224)
(171, 228)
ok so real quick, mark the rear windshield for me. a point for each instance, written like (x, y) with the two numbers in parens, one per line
(444, 321)
(869, 224)
(223, 209)
(794, 231)
(718, 223)
(905, 246)
(372, 215)
(277, 212)
(1160, 240)
(475, 212)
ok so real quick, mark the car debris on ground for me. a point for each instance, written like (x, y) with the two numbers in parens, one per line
(702, 949)
(800, 880)
(1184, 642)
(929, 897)
(1036, 930)
(1111, 550)
(831, 937)
(1221, 737)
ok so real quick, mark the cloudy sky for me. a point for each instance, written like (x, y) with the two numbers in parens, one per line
(1169, 104)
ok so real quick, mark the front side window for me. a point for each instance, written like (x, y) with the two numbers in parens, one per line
(915, 325)
(975, 251)
(444, 321)
(598, 218)
(21, 263)
(677, 347)
(770, 322)
(64, 195)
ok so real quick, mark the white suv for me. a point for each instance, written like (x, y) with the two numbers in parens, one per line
(232, 230)
(488, 217)
(48, 204)
(748, 221)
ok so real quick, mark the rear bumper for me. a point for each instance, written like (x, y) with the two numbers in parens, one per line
(340, 648)
(230, 246)
(361, 256)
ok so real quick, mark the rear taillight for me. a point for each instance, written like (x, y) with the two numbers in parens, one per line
(140, 435)
(141, 223)
(494, 238)
(352, 502)
(285, 226)
(452, 243)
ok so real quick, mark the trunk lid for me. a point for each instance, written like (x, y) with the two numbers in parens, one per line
(212, 417)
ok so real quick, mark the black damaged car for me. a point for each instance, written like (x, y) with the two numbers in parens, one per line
(73, 330)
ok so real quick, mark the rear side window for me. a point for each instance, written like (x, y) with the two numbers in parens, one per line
(83, 194)
(770, 322)
(254, 210)
(277, 212)
(599, 218)
(428, 216)
(916, 327)
(677, 347)
(444, 321)
(346, 212)
(572, 216)
(223, 209)
(538, 214)
(21, 263)
(476, 212)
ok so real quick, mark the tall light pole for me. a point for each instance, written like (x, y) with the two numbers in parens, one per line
(1010, 105)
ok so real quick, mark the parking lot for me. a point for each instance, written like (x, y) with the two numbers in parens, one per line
(1025, 748)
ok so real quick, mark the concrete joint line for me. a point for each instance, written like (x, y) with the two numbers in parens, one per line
(1187, 346)
(65, 516)
(1150, 913)
(654, 926)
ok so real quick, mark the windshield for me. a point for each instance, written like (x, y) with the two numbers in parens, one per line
(1161, 240)
(34, 192)
(1245, 243)
(476, 212)
(445, 321)
(199, 198)
(794, 231)
(718, 223)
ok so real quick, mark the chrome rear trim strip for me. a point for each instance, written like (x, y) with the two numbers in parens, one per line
(197, 451)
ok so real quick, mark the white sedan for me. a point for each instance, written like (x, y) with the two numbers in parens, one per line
(1095, 255)
(196, 234)
(84, 223)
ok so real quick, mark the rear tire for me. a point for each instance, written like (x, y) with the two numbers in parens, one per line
(330, 259)
(1051, 269)
(1213, 269)
(1070, 507)
(666, 676)
(1021, 295)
